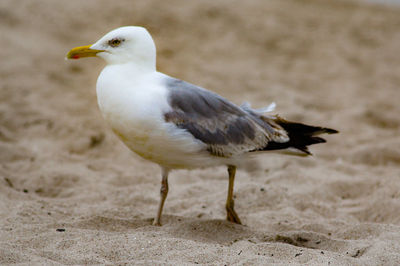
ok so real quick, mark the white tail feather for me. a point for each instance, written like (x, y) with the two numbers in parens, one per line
(269, 108)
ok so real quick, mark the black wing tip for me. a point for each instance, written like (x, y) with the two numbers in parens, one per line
(300, 136)
(316, 140)
(305, 150)
(329, 130)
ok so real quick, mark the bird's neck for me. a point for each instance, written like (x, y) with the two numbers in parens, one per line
(136, 68)
(145, 62)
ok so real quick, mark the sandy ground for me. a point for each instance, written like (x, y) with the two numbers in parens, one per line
(327, 63)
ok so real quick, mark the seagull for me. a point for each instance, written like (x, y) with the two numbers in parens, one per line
(178, 125)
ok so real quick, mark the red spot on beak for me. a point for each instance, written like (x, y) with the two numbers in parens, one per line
(75, 56)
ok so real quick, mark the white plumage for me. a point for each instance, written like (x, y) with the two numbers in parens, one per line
(176, 124)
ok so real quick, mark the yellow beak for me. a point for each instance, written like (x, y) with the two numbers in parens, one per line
(82, 51)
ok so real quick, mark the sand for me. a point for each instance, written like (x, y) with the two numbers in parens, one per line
(71, 193)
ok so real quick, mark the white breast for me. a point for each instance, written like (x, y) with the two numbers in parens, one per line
(133, 105)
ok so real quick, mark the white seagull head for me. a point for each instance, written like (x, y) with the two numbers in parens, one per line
(130, 44)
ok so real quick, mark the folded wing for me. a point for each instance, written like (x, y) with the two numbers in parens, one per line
(225, 128)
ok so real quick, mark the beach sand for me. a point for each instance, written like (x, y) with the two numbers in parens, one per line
(72, 193)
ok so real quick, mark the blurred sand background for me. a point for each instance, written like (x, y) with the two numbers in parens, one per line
(328, 63)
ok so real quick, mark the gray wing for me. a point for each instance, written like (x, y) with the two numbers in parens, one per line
(226, 128)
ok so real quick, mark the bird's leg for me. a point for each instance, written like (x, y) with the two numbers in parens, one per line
(163, 196)
(230, 212)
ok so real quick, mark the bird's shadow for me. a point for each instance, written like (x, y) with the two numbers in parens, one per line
(214, 231)
(210, 230)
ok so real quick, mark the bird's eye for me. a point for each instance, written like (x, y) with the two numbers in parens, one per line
(115, 42)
